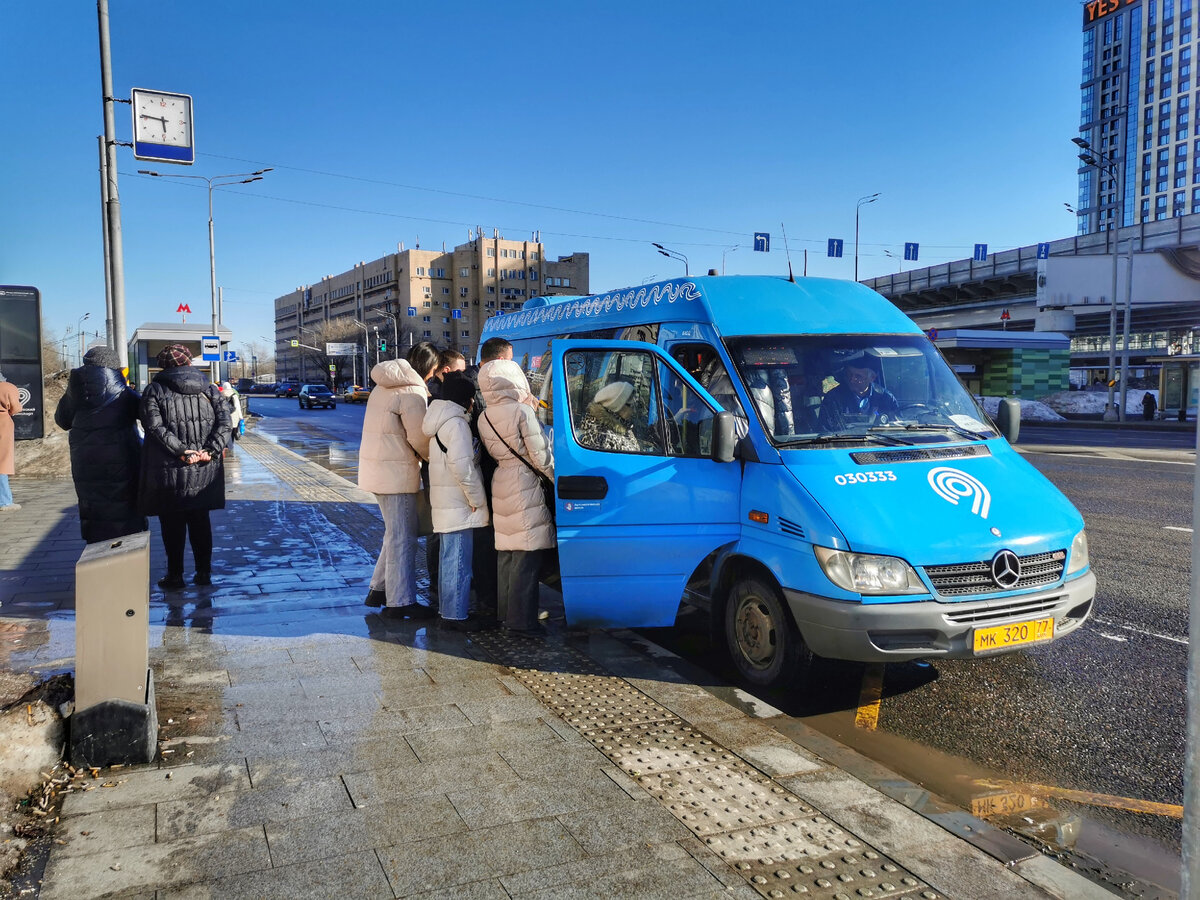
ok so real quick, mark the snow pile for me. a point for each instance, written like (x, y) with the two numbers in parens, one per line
(1092, 403)
(1031, 410)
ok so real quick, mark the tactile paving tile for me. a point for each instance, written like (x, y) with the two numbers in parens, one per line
(845, 876)
(723, 798)
(528, 656)
(658, 747)
(592, 701)
(806, 839)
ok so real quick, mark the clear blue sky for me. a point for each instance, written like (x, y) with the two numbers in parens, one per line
(606, 126)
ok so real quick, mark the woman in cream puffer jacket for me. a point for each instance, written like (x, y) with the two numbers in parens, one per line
(523, 525)
(389, 466)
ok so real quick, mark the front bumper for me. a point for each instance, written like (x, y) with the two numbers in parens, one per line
(894, 632)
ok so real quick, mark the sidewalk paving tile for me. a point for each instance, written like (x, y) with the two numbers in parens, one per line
(327, 835)
(356, 876)
(254, 806)
(140, 786)
(160, 865)
(107, 830)
(442, 863)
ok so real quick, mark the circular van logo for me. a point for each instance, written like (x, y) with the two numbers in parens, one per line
(1006, 569)
(23, 396)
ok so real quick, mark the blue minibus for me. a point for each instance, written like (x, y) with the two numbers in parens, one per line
(796, 458)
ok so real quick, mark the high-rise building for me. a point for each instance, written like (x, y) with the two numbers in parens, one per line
(1142, 146)
(413, 295)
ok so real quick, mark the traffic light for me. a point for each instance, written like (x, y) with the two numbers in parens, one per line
(382, 346)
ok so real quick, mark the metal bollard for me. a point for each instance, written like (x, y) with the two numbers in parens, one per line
(115, 718)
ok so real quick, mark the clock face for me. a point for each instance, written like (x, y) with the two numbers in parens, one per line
(162, 125)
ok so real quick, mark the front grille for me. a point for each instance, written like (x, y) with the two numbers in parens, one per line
(919, 454)
(959, 579)
(999, 611)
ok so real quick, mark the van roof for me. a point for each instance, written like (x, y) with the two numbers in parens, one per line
(735, 304)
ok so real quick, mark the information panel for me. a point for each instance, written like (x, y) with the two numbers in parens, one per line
(21, 354)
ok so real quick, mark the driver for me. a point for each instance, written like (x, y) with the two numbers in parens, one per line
(857, 396)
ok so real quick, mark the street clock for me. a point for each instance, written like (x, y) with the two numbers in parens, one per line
(162, 127)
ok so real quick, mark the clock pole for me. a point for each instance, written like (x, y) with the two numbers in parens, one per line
(116, 266)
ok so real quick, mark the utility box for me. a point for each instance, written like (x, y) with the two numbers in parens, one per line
(115, 718)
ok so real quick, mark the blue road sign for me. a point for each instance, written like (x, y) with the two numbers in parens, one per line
(231, 356)
(1043, 251)
(210, 348)
(456, 313)
(412, 310)
(835, 247)
(911, 249)
(980, 253)
(762, 241)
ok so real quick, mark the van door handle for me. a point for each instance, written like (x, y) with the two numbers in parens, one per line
(582, 487)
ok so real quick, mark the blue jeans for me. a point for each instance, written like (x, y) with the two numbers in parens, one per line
(6, 497)
(454, 573)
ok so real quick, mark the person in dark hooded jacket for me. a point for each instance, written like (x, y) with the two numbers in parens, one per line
(100, 410)
(183, 477)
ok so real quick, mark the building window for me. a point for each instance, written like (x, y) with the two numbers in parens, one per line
(533, 254)
(491, 289)
(426, 319)
(464, 333)
(445, 290)
(427, 333)
(463, 272)
(462, 292)
(491, 251)
(427, 290)
(491, 273)
(421, 270)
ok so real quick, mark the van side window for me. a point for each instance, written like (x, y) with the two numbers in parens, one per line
(688, 419)
(615, 401)
(540, 385)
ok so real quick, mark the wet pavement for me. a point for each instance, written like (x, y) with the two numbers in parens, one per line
(311, 748)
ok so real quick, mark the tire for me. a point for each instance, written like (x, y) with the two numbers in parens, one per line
(333, 406)
(301, 404)
(764, 644)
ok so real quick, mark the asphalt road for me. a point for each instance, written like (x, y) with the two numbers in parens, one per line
(1074, 743)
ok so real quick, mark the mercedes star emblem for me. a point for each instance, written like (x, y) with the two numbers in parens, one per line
(1006, 569)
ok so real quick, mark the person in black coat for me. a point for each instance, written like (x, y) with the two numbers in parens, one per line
(100, 410)
(183, 477)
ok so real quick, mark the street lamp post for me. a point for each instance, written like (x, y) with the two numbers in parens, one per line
(79, 328)
(862, 201)
(727, 250)
(674, 254)
(366, 358)
(1103, 162)
(376, 327)
(214, 181)
(899, 259)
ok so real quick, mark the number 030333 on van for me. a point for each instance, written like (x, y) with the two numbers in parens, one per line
(797, 459)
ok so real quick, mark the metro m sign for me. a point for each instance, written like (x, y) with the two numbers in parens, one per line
(184, 308)
(1094, 10)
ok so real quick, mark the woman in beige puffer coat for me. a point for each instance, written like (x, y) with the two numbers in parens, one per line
(456, 496)
(523, 525)
(389, 466)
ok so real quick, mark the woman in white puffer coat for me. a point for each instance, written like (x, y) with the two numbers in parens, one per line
(456, 496)
(389, 466)
(522, 522)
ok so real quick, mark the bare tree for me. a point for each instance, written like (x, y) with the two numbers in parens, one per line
(53, 357)
(331, 331)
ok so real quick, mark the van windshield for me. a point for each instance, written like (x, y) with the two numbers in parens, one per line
(812, 390)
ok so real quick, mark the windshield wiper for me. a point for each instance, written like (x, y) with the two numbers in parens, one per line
(947, 426)
(887, 440)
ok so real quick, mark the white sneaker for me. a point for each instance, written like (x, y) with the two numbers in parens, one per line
(12, 507)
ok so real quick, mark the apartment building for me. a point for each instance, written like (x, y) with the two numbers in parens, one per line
(1141, 145)
(412, 295)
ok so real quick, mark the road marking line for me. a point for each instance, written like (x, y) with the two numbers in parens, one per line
(869, 697)
(1090, 798)
(1177, 528)
(1142, 631)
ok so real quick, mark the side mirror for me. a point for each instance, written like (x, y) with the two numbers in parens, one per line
(1008, 418)
(724, 440)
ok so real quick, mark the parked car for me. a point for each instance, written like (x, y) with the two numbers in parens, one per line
(356, 394)
(264, 388)
(285, 389)
(317, 395)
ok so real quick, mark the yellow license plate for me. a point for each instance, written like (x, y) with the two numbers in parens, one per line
(1001, 637)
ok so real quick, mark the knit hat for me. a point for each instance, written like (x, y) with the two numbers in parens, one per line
(613, 397)
(458, 389)
(226, 386)
(174, 355)
(102, 357)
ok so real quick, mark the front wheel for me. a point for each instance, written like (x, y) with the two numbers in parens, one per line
(764, 644)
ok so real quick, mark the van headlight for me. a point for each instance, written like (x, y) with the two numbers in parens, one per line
(1079, 554)
(865, 573)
